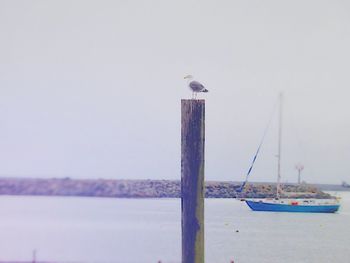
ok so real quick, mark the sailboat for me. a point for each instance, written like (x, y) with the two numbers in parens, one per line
(278, 204)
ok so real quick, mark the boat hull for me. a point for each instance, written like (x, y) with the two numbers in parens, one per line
(270, 207)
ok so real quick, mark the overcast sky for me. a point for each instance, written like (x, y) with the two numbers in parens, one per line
(92, 89)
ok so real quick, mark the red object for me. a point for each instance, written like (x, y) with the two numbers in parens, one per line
(294, 203)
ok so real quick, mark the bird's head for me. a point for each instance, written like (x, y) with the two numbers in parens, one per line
(188, 77)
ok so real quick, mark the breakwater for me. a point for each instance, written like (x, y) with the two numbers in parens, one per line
(146, 188)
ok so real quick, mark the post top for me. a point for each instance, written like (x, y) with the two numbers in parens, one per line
(193, 100)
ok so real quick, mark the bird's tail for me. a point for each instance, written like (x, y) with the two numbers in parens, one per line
(205, 90)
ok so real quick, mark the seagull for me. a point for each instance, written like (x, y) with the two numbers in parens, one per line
(195, 86)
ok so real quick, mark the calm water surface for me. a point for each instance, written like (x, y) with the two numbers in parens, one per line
(147, 230)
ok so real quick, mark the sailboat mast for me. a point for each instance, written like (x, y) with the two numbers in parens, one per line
(279, 147)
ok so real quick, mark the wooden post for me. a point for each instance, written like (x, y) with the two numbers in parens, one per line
(34, 256)
(192, 180)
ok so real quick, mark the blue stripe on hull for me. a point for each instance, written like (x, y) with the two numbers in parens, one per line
(261, 206)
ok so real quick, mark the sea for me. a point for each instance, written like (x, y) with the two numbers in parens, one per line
(101, 230)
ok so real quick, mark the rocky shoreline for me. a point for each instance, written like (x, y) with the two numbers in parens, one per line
(147, 188)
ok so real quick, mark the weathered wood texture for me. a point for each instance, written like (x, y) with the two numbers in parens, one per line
(192, 180)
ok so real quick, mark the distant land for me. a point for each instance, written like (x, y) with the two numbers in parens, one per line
(153, 188)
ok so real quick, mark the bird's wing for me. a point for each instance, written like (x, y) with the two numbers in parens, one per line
(196, 86)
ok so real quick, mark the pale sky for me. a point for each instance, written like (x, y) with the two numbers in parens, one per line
(92, 89)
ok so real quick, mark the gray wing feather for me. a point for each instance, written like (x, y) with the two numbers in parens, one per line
(196, 86)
